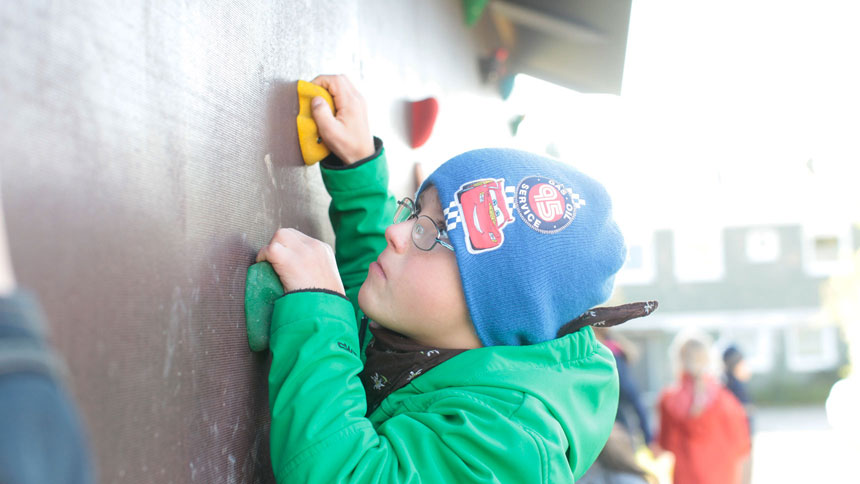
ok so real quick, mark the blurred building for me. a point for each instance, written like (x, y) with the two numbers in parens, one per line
(755, 286)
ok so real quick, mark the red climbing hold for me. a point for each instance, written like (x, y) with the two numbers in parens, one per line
(423, 117)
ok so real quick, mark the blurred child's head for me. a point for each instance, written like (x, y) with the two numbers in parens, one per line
(735, 363)
(692, 349)
(534, 247)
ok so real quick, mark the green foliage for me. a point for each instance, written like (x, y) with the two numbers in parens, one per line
(795, 390)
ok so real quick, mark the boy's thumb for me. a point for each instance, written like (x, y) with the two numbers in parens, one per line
(321, 113)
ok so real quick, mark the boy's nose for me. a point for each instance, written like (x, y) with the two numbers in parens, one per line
(398, 235)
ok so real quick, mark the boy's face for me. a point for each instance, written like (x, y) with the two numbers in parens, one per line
(418, 293)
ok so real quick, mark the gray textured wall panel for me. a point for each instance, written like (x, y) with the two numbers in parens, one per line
(148, 152)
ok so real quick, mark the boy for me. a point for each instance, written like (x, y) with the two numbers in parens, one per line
(427, 350)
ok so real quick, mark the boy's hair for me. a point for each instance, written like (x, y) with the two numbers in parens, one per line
(534, 238)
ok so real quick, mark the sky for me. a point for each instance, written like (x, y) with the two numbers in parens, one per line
(731, 113)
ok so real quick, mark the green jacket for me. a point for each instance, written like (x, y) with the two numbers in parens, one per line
(508, 414)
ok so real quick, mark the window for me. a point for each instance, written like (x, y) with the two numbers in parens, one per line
(755, 343)
(763, 245)
(640, 266)
(699, 254)
(811, 348)
(827, 250)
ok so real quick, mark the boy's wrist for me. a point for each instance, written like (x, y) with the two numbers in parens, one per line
(332, 162)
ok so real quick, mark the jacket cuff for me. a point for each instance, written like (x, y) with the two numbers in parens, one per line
(356, 178)
(310, 305)
(324, 291)
(332, 162)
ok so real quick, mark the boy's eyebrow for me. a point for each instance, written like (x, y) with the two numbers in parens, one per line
(440, 224)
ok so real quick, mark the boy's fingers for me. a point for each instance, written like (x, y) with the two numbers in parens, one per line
(265, 253)
(341, 90)
(330, 84)
(282, 239)
(284, 236)
(323, 80)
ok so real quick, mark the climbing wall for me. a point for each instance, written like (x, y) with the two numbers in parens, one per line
(147, 152)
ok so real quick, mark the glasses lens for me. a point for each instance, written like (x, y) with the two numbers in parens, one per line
(424, 233)
(405, 208)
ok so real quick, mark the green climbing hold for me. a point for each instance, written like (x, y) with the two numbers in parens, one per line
(262, 288)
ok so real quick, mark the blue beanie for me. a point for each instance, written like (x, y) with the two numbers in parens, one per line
(534, 238)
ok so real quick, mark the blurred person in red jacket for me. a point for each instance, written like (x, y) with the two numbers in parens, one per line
(701, 422)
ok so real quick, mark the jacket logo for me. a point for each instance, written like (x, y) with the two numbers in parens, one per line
(346, 347)
(546, 205)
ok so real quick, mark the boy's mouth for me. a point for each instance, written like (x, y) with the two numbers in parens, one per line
(377, 267)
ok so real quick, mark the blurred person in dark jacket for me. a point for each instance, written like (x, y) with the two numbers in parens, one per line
(41, 436)
(616, 463)
(736, 377)
(629, 400)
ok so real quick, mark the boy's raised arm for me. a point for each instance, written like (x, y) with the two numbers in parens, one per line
(356, 177)
(361, 209)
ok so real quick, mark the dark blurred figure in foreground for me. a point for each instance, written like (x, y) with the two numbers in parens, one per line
(41, 438)
(629, 401)
(735, 377)
(701, 422)
(616, 463)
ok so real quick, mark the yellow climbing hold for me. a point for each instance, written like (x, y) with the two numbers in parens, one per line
(313, 149)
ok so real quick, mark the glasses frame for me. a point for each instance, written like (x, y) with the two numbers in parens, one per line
(408, 204)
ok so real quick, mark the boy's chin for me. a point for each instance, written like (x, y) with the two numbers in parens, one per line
(366, 302)
(363, 302)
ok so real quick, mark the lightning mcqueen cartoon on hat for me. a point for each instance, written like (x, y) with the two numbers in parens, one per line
(484, 211)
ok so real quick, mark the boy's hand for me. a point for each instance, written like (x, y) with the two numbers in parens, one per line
(347, 133)
(302, 262)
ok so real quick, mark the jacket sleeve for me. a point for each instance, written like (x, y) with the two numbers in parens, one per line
(360, 211)
(42, 439)
(319, 433)
(629, 394)
(668, 436)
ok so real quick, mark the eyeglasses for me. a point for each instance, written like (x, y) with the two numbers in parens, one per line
(425, 233)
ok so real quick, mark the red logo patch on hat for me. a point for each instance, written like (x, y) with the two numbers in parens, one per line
(483, 210)
(546, 205)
